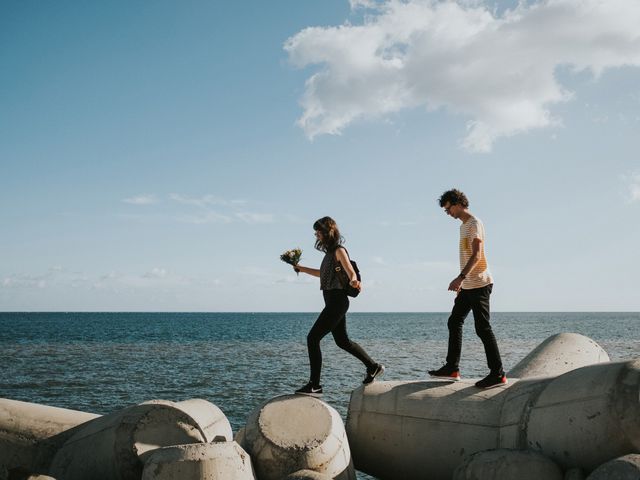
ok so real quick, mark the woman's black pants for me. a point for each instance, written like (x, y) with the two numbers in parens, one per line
(332, 319)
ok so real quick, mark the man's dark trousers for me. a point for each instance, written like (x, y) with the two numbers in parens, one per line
(476, 300)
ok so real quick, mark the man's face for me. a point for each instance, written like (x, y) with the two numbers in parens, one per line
(452, 210)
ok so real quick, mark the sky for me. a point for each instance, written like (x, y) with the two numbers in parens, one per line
(160, 156)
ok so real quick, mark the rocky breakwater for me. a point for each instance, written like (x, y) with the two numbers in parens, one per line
(569, 405)
(290, 436)
(567, 413)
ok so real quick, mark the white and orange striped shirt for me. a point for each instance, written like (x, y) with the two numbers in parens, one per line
(480, 275)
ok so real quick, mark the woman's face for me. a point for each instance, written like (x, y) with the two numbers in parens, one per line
(319, 235)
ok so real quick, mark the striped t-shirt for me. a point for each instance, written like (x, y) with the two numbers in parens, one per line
(480, 276)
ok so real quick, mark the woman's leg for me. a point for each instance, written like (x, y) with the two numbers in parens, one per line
(345, 343)
(333, 310)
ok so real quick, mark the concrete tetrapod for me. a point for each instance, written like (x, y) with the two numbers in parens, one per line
(307, 475)
(507, 465)
(30, 434)
(626, 467)
(109, 447)
(574, 474)
(296, 432)
(199, 461)
(559, 354)
(411, 430)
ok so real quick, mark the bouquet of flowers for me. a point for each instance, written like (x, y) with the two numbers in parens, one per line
(292, 257)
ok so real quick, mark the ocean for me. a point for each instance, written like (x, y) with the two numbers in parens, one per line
(102, 362)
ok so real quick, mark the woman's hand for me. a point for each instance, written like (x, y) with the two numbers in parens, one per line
(314, 272)
(355, 283)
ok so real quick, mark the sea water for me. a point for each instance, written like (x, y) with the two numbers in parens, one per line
(102, 362)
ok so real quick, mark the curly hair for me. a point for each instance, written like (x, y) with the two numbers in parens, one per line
(331, 238)
(454, 197)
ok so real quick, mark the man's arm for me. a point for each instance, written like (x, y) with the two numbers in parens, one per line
(456, 283)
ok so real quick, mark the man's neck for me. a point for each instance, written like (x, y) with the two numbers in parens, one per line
(465, 215)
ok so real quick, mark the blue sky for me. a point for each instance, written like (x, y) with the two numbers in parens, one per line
(159, 156)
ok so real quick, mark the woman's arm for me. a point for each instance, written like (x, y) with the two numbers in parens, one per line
(343, 258)
(309, 271)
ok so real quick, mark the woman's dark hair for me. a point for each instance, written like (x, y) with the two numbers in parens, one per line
(454, 197)
(331, 238)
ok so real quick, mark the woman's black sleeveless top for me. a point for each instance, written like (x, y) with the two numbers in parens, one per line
(328, 275)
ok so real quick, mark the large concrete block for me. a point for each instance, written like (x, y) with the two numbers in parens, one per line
(416, 430)
(307, 475)
(574, 474)
(587, 416)
(199, 461)
(110, 447)
(559, 354)
(296, 432)
(507, 465)
(30, 434)
(411, 430)
(626, 467)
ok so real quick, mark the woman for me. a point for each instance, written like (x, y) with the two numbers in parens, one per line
(336, 303)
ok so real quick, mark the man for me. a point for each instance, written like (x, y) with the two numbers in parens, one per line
(473, 287)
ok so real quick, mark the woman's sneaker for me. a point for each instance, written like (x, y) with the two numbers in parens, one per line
(492, 380)
(310, 390)
(376, 371)
(446, 371)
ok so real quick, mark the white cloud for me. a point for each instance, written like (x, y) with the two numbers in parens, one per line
(633, 186)
(497, 71)
(61, 278)
(204, 209)
(205, 200)
(362, 4)
(156, 272)
(255, 217)
(203, 218)
(142, 200)
(54, 276)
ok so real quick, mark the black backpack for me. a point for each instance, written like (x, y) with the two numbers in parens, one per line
(344, 279)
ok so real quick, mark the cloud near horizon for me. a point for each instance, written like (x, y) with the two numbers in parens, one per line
(144, 199)
(496, 71)
(206, 209)
(633, 185)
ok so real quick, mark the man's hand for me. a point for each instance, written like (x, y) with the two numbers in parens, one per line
(455, 284)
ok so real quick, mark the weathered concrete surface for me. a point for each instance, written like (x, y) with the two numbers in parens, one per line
(109, 447)
(507, 465)
(559, 354)
(574, 474)
(626, 467)
(30, 434)
(579, 419)
(587, 416)
(307, 475)
(417, 430)
(296, 432)
(200, 461)
(239, 438)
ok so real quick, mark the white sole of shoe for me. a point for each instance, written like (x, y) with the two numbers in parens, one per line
(317, 395)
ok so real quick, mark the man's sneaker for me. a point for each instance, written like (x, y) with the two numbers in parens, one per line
(373, 372)
(310, 390)
(450, 373)
(492, 380)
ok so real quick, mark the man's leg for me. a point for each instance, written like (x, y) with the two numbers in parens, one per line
(461, 308)
(481, 316)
